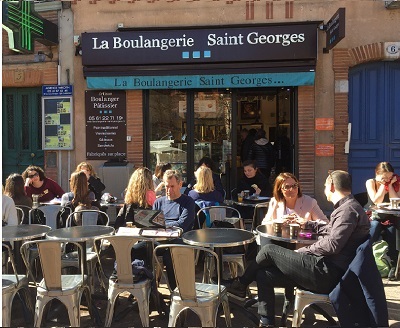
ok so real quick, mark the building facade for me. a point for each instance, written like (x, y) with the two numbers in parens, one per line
(157, 81)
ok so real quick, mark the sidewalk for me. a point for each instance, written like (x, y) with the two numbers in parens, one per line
(57, 316)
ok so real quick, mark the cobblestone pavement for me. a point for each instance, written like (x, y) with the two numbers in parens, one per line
(126, 314)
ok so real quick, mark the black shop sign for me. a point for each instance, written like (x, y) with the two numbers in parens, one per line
(105, 124)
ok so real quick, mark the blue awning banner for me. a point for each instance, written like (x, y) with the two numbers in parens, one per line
(202, 81)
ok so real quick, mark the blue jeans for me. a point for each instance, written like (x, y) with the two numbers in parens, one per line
(276, 266)
(389, 235)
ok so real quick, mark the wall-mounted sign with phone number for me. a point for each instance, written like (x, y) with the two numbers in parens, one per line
(105, 124)
(57, 123)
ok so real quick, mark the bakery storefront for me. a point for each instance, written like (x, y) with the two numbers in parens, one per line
(199, 88)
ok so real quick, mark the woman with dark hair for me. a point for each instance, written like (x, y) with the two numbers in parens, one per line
(14, 188)
(80, 197)
(253, 180)
(290, 202)
(94, 181)
(36, 183)
(385, 185)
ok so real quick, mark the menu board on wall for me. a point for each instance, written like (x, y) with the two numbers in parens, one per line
(57, 123)
(105, 124)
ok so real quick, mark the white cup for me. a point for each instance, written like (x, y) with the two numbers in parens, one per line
(394, 202)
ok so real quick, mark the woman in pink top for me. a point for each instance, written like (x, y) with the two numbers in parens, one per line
(290, 204)
(140, 190)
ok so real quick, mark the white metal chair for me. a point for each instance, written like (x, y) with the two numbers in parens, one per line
(304, 299)
(50, 212)
(124, 279)
(68, 289)
(203, 299)
(219, 213)
(13, 284)
(20, 214)
(86, 217)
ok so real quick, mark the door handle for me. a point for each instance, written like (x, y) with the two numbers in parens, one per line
(33, 155)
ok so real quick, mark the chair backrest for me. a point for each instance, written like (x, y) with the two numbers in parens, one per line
(260, 210)
(20, 214)
(362, 198)
(11, 256)
(50, 259)
(50, 212)
(122, 246)
(87, 217)
(217, 213)
(184, 264)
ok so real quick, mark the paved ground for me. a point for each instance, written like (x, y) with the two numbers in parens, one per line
(127, 314)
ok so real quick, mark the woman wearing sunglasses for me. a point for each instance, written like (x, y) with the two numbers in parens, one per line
(36, 183)
(290, 204)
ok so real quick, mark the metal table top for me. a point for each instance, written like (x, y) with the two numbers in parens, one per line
(218, 237)
(386, 210)
(81, 233)
(266, 230)
(24, 232)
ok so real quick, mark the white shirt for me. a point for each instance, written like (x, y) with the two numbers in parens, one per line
(10, 216)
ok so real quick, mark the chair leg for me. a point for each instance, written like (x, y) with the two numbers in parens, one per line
(227, 312)
(143, 306)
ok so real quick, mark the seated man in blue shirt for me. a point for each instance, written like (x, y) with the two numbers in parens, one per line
(178, 210)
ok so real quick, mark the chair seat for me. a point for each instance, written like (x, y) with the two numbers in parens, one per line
(69, 285)
(115, 284)
(204, 293)
(11, 279)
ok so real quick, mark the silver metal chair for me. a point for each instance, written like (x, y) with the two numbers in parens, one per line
(13, 284)
(124, 279)
(68, 289)
(202, 298)
(20, 214)
(87, 217)
(50, 212)
(260, 210)
(219, 213)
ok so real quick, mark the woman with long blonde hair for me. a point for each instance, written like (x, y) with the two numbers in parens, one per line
(138, 194)
(140, 190)
(204, 188)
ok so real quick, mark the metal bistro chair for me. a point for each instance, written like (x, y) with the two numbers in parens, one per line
(260, 210)
(68, 289)
(219, 213)
(13, 284)
(87, 217)
(50, 212)
(203, 299)
(124, 279)
(20, 214)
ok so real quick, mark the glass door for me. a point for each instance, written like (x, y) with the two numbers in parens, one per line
(213, 127)
(167, 118)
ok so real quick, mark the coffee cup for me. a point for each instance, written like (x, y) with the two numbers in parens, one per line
(129, 224)
(246, 193)
(294, 230)
(278, 227)
(394, 202)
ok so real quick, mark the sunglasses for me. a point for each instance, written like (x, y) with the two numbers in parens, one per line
(33, 175)
(290, 187)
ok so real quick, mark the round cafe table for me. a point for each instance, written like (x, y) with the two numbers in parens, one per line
(20, 233)
(218, 238)
(267, 231)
